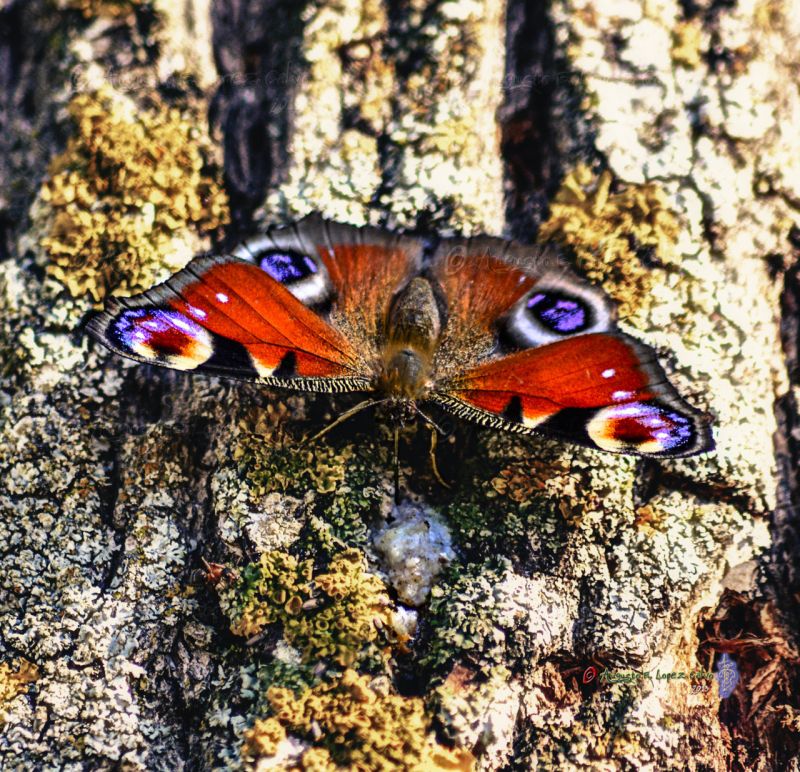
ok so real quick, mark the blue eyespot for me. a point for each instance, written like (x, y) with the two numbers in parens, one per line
(161, 335)
(560, 313)
(647, 427)
(287, 266)
(138, 327)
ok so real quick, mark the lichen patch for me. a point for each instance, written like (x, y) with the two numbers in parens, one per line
(128, 199)
(617, 234)
(355, 722)
(15, 677)
(341, 613)
(415, 547)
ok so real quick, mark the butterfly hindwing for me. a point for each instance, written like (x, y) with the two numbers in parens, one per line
(545, 356)
(604, 390)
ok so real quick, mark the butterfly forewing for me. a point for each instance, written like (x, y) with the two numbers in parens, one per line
(228, 317)
(603, 390)
(300, 306)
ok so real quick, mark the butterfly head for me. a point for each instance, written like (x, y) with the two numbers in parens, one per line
(398, 412)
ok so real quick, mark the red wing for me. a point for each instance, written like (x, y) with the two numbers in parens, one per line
(229, 317)
(363, 268)
(366, 277)
(604, 390)
(478, 284)
(300, 306)
(502, 297)
(479, 288)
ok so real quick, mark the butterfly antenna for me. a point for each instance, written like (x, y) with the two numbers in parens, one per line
(341, 419)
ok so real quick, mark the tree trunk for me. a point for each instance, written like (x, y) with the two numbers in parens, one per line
(525, 618)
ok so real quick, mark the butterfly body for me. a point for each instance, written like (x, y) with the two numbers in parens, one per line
(496, 332)
(413, 328)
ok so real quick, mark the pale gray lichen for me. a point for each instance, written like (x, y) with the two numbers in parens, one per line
(416, 546)
(436, 119)
(480, 709)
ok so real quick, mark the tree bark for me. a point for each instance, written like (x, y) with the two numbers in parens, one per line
(668, 132)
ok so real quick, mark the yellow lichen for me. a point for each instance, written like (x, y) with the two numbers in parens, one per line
(92, 9)
(327, 471)
(15, 677)
(353, 724)
(263, 738)
(323, 467)
(521, 481)
(353, 604)
(687, 38)
(769, 16)
(266, 592)
(336, 615)
(126, 196)
(316, 760)
(609, 231)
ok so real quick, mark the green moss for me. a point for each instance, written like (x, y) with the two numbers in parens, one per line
(504, 511)
(347, 481)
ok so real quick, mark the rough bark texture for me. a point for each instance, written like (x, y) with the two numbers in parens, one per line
(574, 119)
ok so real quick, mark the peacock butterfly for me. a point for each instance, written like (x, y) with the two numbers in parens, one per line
(493, 331)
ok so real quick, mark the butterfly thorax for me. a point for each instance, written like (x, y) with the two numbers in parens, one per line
(412, 330)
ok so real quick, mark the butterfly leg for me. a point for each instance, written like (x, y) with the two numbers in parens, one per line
(434, 466)
(396, 464)
(435, 431)
(341, 419)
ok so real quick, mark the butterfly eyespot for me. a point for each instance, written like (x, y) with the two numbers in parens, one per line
(304, 275)
(642, 427)
(560, 312)
(170, 337)
(555, 309)
(287, 266)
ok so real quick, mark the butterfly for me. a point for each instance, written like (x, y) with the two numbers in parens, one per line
(496, 332)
